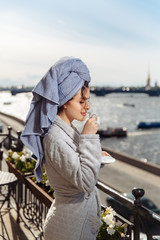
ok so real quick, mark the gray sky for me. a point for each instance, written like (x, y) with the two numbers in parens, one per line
(119, 40)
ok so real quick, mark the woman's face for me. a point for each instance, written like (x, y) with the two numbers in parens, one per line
(76, 109)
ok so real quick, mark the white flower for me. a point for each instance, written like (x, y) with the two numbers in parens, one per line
(15, 155)
(109, 210)
(109, 219)
(122, 235)
(118, 223)
(47, 183)
(28, 155)
(110, 230)
(22, 158)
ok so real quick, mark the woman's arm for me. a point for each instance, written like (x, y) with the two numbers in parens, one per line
(79, 167)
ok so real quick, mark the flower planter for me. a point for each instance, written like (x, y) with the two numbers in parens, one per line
(21, 176)
(39, 192)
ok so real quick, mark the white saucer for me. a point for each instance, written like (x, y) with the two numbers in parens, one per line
(107, 159)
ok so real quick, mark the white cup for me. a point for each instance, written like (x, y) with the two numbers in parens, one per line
(92, 114)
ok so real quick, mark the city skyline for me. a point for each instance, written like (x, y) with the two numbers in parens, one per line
(118, 40)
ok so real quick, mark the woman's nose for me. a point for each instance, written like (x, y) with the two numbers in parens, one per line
(87, 106)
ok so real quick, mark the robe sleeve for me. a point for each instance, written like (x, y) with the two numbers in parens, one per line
(80, 167)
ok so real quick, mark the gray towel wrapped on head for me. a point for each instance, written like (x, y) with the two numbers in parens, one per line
(59, 85)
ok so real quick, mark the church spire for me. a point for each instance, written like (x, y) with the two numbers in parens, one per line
(148, 85)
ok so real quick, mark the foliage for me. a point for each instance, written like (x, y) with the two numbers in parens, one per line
(111, 229)
(25, 164)
(22, 160)
(44, 183)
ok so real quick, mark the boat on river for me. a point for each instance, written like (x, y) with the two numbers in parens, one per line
(129, 104)
(16, 90)
(149, 124)
(112, 132)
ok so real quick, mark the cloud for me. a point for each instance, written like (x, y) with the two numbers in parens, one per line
(117, 40)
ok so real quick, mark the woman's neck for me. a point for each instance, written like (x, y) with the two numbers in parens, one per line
(63, 116)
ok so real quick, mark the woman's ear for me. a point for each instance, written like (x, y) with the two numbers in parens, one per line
(65, 106)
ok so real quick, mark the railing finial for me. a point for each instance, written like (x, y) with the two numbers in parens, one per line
(138, 193)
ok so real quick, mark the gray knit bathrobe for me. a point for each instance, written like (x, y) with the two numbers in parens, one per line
(72, 163)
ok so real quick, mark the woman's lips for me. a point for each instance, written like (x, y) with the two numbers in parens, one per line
(84, 114)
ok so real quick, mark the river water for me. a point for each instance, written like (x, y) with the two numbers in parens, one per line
(114, 110)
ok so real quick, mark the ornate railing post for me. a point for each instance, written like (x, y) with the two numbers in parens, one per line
(19, 143)
(9, 136)
(137, 193)
(1, 155)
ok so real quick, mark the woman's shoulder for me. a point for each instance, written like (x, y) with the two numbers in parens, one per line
(54, 133)
(60, 131)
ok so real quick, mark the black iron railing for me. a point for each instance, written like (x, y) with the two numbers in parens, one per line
(11, 142)
(141, 214)
(32, 210)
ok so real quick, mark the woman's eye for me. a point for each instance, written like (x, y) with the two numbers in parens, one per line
(81, 102)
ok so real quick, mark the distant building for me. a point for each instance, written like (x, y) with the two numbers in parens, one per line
(148, 85)
(156, 84)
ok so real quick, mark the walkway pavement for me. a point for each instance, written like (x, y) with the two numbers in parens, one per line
(125, 177)
(16, 231)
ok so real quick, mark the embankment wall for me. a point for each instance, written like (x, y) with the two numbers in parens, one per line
(150, 167)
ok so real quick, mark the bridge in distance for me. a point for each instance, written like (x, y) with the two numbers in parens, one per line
(102, 91)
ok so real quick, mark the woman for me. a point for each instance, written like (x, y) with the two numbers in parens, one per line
(72, 160)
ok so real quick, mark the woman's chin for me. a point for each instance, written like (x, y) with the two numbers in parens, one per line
(83, 118)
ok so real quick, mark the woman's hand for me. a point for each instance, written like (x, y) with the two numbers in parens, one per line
(105, 154)
(91, 126)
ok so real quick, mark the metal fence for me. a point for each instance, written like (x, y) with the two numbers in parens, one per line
(32, 209)
(141, 215)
